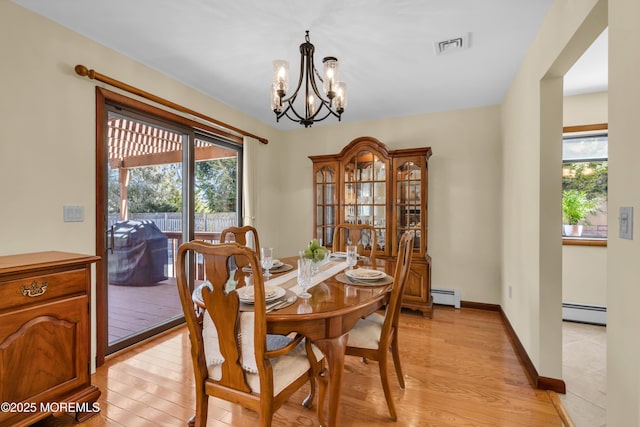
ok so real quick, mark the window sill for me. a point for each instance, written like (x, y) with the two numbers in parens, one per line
(579, 241)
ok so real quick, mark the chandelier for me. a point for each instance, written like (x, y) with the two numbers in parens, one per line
(317, 105)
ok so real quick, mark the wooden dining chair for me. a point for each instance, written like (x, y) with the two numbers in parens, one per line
(245, 236)
(232, 357)
(361, 235)
(377, 334)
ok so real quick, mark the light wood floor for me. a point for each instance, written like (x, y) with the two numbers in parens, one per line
(460, 369)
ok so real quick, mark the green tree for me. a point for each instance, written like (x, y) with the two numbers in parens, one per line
(216, 184)
(590, 177)
(113, 192)
(155, 189)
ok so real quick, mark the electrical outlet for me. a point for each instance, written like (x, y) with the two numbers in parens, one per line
(509, 291)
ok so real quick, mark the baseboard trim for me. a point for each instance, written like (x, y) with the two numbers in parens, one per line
(552, 384)
(480, 305)
(539, 382)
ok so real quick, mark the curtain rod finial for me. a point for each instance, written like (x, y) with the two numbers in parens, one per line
(81, 70)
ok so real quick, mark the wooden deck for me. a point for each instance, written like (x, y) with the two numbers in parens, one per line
(133, 309)
(136, 308)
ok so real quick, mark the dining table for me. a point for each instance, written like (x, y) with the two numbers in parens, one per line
(337, 302)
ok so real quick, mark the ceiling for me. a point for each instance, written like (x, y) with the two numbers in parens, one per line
(225, 49)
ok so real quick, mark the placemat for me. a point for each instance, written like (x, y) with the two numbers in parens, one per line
(343, 278)
(274, 270)
(281, 269)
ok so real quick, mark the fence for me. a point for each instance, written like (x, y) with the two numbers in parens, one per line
(172, 221)
(207, 227)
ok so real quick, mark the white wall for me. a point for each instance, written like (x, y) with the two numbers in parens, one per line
(584, 268)
(568, 28)
(464, 190)
(623, 268)
(587, 109)
(532, 131)
(584, 275)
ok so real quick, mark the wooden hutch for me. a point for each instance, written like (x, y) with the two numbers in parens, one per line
(368, 184)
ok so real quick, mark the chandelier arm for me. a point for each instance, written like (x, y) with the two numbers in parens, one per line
(292, 109)
(302, 61)
(298, 118)
(329, 112)
(312, 68)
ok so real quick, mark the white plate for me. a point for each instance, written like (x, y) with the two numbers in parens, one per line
(271, 293)
(365, 274)
(276, 264)
(339, 254)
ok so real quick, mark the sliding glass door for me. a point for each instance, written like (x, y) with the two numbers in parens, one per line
(163, 183)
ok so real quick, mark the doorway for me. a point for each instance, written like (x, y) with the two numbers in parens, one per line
(161, 180)
(584, 258)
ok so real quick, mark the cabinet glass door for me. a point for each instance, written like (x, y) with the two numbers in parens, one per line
(408, 201)
(365, 187)
(326, 205)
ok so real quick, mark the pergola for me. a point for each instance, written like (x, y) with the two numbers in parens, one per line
(133, 144)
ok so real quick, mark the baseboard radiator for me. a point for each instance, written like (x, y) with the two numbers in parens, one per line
(596, 315)
(446, 297)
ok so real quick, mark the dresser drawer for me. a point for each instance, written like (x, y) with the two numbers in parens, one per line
(36, 289)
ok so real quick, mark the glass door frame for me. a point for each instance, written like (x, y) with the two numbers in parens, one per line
(110, 101)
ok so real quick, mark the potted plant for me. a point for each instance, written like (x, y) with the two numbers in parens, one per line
(575, 207)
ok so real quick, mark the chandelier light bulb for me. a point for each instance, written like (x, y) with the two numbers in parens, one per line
(340, 100)
(330, 76)
(276, 100)
(281, 76)
(312, 105)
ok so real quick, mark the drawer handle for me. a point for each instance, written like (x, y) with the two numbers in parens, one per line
(34, 290)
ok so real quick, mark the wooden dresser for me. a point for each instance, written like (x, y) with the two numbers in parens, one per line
(45, 306)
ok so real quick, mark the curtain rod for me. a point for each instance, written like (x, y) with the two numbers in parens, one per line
(92, 74)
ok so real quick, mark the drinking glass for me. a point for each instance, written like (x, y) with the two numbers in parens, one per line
(352, 256)
(304, 307)
(266, 260)
(304, 277)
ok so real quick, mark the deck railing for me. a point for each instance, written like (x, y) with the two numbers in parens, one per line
(175, 240)
(170, 223)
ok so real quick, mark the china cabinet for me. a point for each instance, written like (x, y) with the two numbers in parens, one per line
(368, 184)
(45, 336)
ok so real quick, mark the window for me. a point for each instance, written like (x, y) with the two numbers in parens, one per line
(585, 171)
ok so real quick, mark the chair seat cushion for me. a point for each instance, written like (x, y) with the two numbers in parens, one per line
(366, 332)
(286, 368)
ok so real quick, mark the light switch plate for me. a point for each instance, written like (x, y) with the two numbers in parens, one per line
(73, 213)
(626, 222)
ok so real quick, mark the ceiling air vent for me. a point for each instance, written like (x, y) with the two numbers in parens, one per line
(453, 44)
